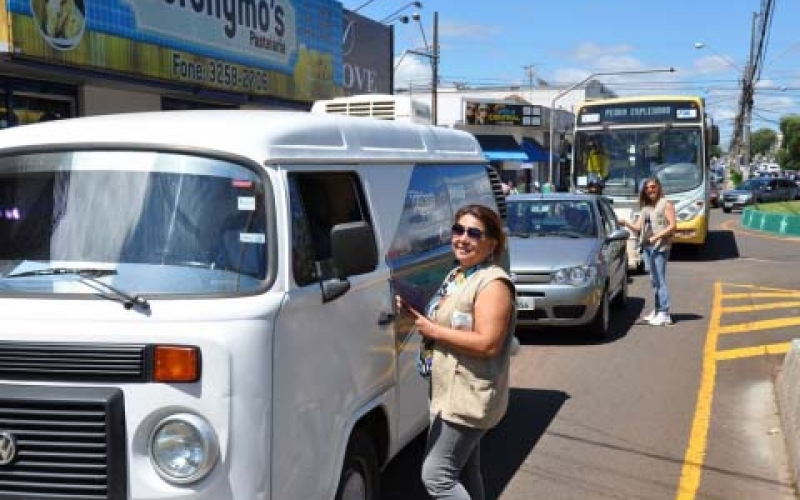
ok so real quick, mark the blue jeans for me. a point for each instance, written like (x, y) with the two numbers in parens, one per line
(452, 465)
(656, 261)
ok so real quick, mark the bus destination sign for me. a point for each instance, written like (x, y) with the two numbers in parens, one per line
(639, 113)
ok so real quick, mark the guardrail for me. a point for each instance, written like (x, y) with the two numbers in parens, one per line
(780, 224)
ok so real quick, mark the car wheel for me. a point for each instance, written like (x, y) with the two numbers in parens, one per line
(621, 299)
(726, 210)
(600, 324)
(360, 478)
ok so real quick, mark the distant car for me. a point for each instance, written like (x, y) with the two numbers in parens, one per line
(568, 260)
(759, 190)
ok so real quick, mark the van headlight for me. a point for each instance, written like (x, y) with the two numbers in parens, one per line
(579, 275)
(690, 211)
(183, 448)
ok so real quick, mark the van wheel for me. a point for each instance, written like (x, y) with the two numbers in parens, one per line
(360, 478)
(601, 323)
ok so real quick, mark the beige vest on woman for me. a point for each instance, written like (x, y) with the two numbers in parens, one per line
(659, 222)
(467, 390)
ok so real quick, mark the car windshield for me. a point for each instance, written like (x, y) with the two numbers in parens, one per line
(673, 155)
(143, 222)
(752, 184)
(547, 217)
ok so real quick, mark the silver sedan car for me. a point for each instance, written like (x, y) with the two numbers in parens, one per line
(568, 260)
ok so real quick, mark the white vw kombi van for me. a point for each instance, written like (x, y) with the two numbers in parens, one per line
(198, 304)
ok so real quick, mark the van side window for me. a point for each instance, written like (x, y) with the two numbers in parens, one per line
(318, 202)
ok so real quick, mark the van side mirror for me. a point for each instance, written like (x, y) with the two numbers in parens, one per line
(353, 249)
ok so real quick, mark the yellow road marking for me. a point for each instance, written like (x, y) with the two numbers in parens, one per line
(754, 326)
(756, 287)
(761, 295)
(760, 307)
(696, 450)
(749, 352)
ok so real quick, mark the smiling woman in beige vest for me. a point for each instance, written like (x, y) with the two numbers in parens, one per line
(656, 225)
(469, 328)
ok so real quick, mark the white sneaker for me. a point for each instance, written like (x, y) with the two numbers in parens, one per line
(661, 319)
(650, 316)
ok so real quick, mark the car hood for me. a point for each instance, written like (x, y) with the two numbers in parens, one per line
(738, 191)
(547, 253)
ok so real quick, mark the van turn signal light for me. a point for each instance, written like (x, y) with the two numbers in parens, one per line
(176, 364)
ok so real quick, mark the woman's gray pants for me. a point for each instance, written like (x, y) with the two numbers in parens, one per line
(452, 465)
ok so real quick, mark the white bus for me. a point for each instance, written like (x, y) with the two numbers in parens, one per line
(199, 304)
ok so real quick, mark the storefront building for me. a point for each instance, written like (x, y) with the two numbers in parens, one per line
(88, 57)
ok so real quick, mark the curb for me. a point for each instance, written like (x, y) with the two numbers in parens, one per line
(789, 407)
(779, 224)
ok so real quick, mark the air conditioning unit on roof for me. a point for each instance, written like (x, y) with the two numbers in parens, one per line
(379, 106)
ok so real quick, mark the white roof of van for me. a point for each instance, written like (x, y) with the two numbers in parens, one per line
(260, 135)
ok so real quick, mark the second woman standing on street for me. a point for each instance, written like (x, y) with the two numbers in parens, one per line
(470, 322)
(656, 225)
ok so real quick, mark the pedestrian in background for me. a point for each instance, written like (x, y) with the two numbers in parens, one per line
(468, 330)
(656, 225)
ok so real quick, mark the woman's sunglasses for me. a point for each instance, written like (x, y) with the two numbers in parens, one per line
(472, 232)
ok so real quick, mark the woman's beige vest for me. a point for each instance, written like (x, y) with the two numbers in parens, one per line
(467, 390)
(659, 222)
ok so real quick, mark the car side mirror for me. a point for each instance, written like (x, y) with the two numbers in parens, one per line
(618, 235)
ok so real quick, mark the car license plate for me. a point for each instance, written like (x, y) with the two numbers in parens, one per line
(525, 303)
(728, 204)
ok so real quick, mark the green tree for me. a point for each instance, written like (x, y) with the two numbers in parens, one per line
(789, 154)
(762, 141)
(716, 151)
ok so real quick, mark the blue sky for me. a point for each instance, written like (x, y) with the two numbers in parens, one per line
(491, 43)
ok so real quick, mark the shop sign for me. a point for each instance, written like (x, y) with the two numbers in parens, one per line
(367, 53)
(283, 48)
(508, 114)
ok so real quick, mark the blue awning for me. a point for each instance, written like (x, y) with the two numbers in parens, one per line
(501, 148)
(534, 151)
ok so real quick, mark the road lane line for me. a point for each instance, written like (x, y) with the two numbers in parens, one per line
(753, 326)
(749, 352)
(760, 307)
(761, 295)
(757, 287)
(692, 468)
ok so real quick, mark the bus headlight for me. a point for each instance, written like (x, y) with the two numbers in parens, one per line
(183, 448)
(690, 211)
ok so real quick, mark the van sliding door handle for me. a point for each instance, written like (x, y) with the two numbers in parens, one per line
(386, 318)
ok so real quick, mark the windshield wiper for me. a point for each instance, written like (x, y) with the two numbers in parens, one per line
(90, 275)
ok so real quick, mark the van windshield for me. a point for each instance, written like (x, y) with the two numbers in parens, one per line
(158, 223)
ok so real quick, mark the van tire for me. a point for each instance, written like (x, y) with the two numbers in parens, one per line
(360, 479)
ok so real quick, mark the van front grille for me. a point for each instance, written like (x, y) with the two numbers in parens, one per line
(72, 362)
(69, 443)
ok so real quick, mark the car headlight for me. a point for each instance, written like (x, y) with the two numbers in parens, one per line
(183, 448)
(579, 275)
(690, 211)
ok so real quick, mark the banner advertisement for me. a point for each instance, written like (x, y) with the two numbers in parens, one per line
(493, 113)
(367, 52)
(281, 48)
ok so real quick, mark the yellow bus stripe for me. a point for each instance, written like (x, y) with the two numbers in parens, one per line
(696, 450)
(749, 352)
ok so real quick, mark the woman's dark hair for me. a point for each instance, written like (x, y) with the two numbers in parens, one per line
(491, 221)
(643, 198)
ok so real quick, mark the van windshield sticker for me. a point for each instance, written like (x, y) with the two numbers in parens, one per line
(257, 238)
(247, 203)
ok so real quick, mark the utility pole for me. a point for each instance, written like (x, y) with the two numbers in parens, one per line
(529, 69)
(435, 70)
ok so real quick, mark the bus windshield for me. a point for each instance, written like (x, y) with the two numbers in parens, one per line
(625, 157)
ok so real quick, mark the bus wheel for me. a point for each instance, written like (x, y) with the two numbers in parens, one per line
(360, 478)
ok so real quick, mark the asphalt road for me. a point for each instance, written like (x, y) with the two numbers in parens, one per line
(684, 412)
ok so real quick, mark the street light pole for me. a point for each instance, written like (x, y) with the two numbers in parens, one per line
(573, 87)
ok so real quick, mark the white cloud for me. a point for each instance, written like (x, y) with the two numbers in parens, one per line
(412, 71)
